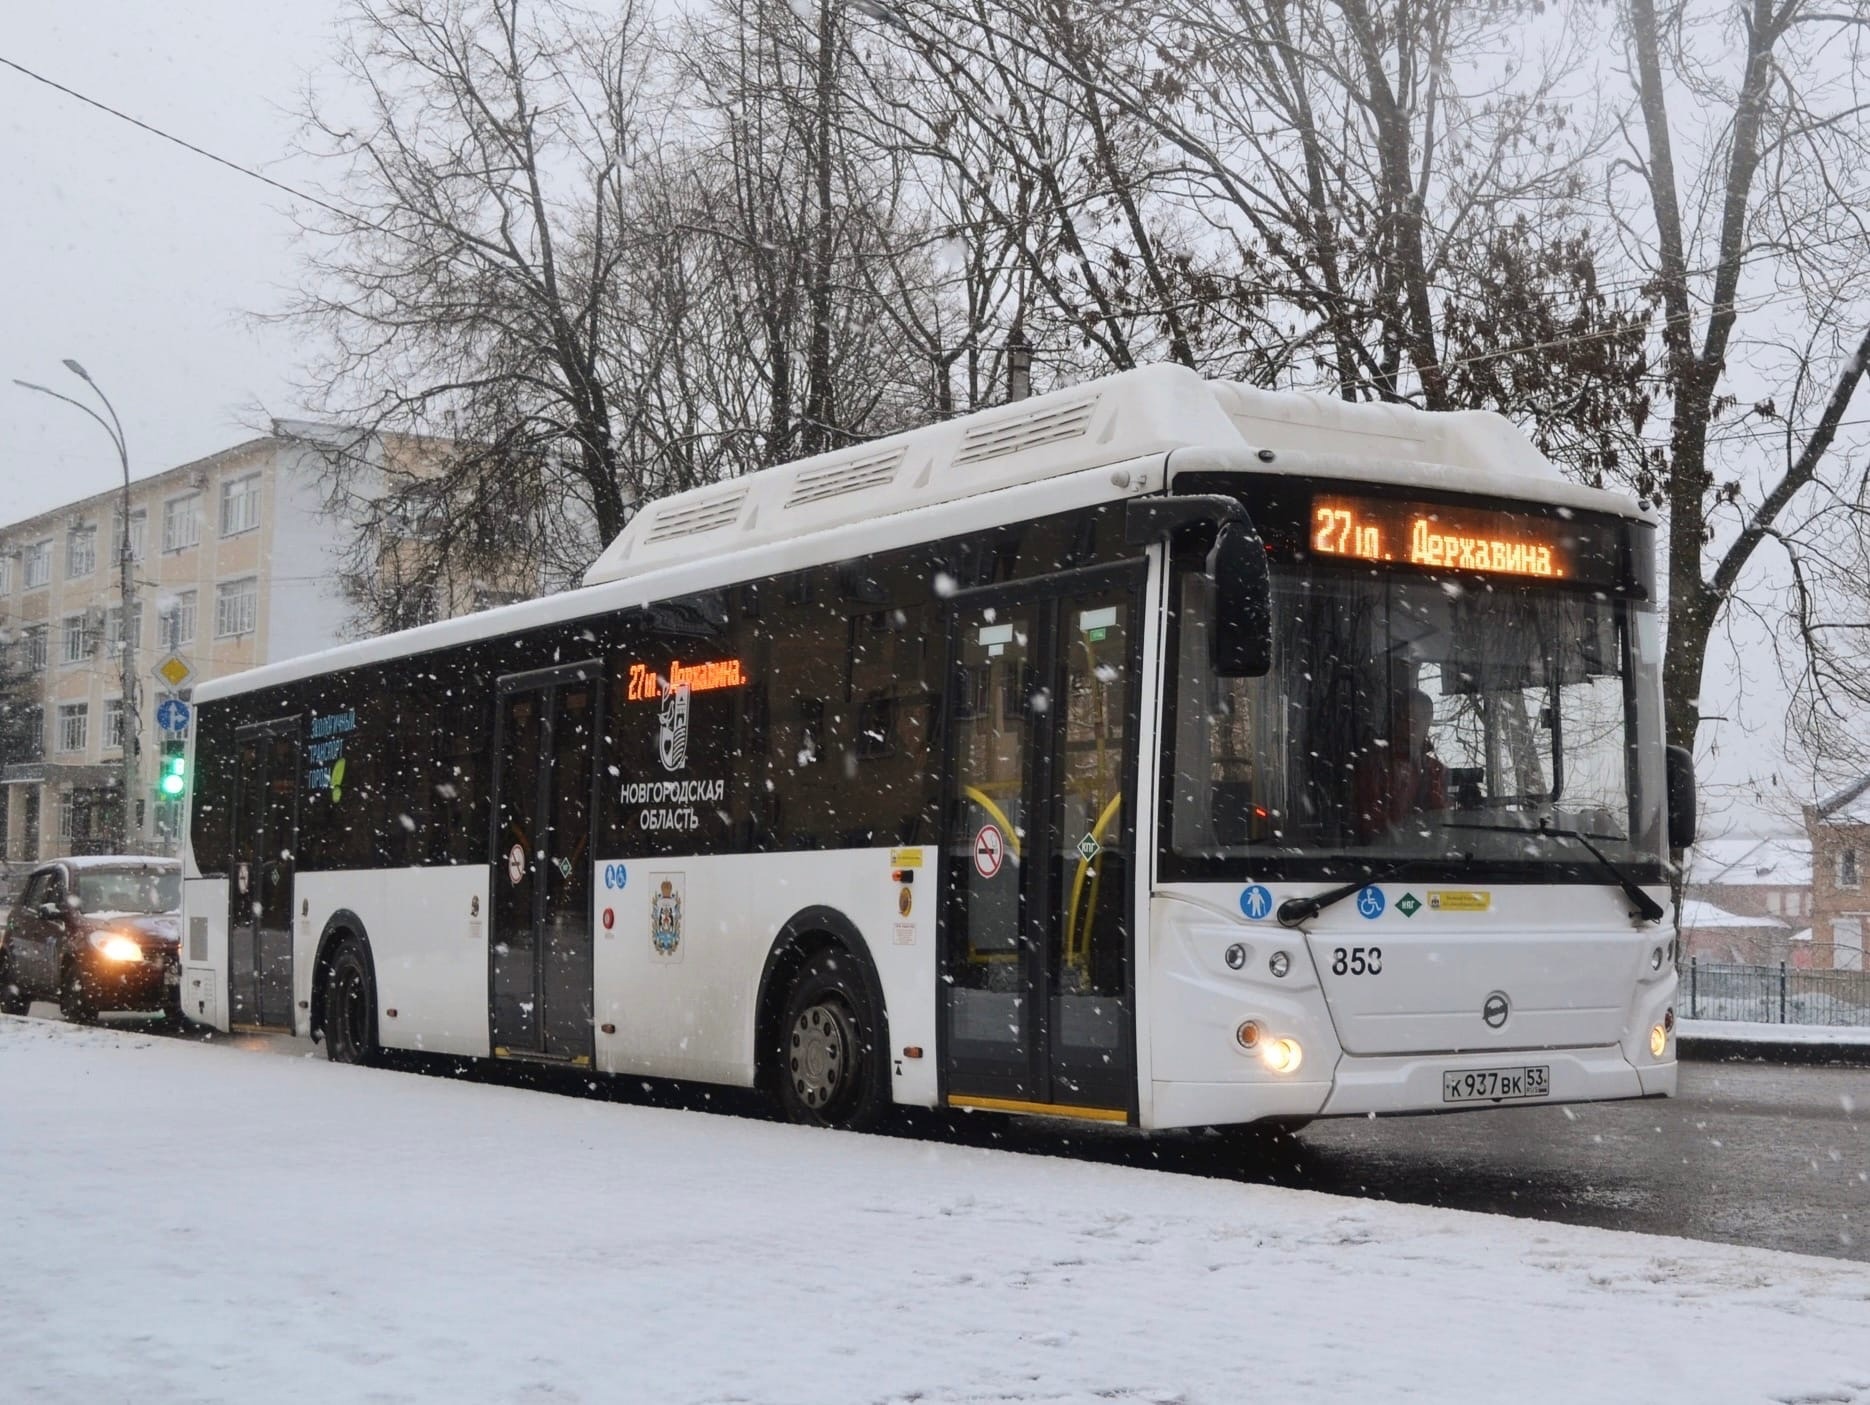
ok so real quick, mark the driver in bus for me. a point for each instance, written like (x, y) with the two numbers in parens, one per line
(1404, 778)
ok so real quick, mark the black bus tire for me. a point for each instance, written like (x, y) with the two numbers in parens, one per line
(73, 1002)
(349, 1017)
(832, 1072)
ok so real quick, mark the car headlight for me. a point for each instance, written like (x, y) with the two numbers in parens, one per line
(114, 946)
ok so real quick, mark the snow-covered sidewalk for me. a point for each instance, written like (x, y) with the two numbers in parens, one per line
(1754, 1032)
(185, 1222)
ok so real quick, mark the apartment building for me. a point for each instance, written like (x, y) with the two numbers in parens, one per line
(236, 564)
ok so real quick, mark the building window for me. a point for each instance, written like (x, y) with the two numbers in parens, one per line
(36, 647)
(139, 530)
(178, 620)
(181, 524)
(1848, 875)
(67, 814)
(74, 720)
(113, 627)
(240, 504)
(6, 575)
(77, 646)
(80, 552)
(236, 607)
(113, 724)
(39, 564)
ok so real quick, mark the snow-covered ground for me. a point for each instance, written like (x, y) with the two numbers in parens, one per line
(1753, 1032)
(185, 1222)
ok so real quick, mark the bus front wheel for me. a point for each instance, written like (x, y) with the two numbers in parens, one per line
(350, 1013)
(831, 1066)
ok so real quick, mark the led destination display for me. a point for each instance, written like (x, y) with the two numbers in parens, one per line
(1440, 537)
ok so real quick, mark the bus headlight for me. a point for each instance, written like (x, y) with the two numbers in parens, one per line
(1282, 1055)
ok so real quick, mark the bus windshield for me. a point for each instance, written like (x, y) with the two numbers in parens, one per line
(1410, 716)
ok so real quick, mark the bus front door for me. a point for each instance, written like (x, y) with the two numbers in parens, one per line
(1038, 907)
(539, 958)
(259, 919)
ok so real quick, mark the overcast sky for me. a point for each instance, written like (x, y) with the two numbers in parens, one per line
(132, 256)
(143, 261)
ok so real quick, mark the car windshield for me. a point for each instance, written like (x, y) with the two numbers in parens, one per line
(137, 890)
(1413, 717)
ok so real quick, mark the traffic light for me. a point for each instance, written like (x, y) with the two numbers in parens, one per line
(172, 779)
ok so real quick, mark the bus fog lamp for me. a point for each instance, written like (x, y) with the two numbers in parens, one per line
(1282, 1055)
(1658, 1040)
(1235, 956)
(1655, 959)
(1279, 963)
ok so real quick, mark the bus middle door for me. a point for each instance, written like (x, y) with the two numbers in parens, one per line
(539, 958)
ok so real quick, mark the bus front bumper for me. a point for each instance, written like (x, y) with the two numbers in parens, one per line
(1410, 1083)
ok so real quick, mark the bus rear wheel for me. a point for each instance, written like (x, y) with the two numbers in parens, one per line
(350, 1006)
(831, 1066)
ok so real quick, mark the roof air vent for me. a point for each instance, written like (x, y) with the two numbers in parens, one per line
(852, 476)
(1002, 437)
(693, 518)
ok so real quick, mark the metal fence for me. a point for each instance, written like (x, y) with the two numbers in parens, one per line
(1779, 994)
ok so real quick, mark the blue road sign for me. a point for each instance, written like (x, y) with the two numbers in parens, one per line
(172, 715)
(1256, 902)
(1370, 902)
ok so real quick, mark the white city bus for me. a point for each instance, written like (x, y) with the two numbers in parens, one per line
(1161, 751)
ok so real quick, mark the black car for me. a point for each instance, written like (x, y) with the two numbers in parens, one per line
(95, 934)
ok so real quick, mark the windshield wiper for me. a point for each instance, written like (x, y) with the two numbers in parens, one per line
(1296, 910)
(1647, 907)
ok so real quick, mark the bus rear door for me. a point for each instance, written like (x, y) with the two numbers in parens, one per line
(266, 839)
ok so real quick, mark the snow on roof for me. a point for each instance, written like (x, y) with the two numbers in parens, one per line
(1848, 804)
(1699, 914)
(1749, 861)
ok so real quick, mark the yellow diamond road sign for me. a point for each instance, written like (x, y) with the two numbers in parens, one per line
(175, 670)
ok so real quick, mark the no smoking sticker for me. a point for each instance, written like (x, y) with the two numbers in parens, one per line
(515, 864)
(989, 850)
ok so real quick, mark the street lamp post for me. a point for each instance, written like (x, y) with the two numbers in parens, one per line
(127, 634)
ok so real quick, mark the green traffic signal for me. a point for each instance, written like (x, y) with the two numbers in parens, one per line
(174, 774)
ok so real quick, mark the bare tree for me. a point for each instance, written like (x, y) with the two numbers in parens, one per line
(1751, 244)
(467, 295)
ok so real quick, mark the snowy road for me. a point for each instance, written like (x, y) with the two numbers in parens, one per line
(184, 1225)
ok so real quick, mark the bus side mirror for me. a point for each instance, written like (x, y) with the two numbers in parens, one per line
(1240, 639)
(1681, 770)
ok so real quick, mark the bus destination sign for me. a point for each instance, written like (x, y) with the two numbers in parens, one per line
(1440, 537)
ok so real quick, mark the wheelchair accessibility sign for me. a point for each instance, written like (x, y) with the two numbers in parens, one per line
(1370, 902)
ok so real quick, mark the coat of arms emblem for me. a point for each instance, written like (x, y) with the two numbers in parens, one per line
(665, 915)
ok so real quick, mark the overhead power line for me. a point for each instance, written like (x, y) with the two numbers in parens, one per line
(187, 145)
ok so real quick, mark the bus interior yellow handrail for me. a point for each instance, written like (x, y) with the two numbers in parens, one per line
(1077, 946)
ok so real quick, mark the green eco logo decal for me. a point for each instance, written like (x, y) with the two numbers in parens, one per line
(1408, 904)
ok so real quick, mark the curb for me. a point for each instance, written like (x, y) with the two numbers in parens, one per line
(1716, 1050)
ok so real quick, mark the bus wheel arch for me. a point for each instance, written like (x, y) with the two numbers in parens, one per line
(344, 942)
(822, 946)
